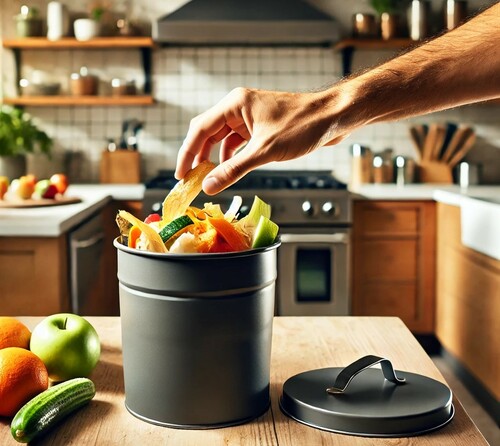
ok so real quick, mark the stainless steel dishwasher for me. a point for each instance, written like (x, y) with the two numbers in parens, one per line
(86, 245)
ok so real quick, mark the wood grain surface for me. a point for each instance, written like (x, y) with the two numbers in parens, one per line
(39, 202)
(299, 344)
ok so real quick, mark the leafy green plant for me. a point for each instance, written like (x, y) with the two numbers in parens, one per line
(19, 135)
(381, 6)
(97, 13)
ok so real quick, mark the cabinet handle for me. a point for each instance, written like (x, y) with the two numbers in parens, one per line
(314, 238)
(82, 244)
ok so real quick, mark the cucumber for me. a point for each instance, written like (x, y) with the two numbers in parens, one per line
(49, 407)
(265, 233)
(175, 226)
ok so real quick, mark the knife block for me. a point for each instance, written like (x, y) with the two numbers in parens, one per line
(435, 172)
(121, 166)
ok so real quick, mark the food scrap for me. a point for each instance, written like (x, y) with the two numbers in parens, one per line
(183, 228)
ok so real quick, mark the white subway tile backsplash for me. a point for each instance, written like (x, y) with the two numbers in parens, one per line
(189, 80)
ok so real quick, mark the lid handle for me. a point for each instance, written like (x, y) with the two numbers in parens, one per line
(349, 372)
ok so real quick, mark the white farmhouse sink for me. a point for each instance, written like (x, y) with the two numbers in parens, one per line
(480, 218)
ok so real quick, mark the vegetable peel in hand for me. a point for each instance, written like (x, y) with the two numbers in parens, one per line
(184, 192)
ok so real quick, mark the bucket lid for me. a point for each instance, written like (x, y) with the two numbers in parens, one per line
(339, 400)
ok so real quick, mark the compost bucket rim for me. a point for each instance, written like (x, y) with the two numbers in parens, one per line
(194, 256)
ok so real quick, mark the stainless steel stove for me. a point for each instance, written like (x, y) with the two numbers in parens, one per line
(313, 210)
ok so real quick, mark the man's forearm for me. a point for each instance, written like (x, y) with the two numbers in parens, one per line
(459, 67)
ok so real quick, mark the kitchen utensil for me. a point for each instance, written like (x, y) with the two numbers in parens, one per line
(455, 12)
(450, 131)
(429, 143)
(120, 167)
(361, 168)
(405, 170)
(196, 335)
(438, 141)
(389, 25)
(417, 141)
(467, 174)
(382, 170)
(457, 140)
(360, 400)
(435, 172)
(364, 25)
(418, 19)
(463, 149)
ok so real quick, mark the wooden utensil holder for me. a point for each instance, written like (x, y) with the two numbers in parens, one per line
(435, 172)
(121, 166)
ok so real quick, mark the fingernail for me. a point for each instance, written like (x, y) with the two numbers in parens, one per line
(210, 185)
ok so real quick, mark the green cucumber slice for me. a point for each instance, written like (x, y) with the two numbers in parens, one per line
(174, 227)
(265, 233)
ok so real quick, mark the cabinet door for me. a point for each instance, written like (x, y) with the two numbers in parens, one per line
(105, 301)
(34, 276)
(394, 261)
(468, 302)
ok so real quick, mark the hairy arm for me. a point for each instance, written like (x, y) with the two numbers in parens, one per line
(457, 68)
(257, 126)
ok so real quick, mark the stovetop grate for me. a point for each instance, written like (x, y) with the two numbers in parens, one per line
(264, 179)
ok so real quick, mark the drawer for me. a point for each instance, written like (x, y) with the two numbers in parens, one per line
(388, 260)
(386, 218)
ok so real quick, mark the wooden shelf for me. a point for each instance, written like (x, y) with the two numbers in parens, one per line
(51, 101)
(39, 43)
(374, 44)
(348, 46)
(143, 44)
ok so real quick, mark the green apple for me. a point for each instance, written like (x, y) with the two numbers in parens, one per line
(67, 344)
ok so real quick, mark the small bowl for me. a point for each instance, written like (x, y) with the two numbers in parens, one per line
(39, 88)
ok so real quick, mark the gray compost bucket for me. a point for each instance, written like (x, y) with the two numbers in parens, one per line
(196, 335)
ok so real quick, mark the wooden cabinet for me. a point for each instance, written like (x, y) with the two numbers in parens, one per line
(102, 298)
(143, 44)
(467, 302)
(34, 276)
(394, 261)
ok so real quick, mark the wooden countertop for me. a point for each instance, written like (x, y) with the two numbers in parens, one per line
(299, 344)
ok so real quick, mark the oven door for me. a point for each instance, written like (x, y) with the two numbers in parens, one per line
(313, 274)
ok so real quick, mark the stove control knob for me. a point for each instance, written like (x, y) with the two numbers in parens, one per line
(329, 208)
(307, 208)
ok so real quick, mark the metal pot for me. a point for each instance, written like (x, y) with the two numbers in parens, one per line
(196, 334)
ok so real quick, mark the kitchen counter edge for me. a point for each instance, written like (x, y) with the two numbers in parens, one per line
(54, 221)
(448, 194)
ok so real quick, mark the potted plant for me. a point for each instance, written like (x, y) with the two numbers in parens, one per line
(388, 12)
(89, 27)
(28, 22)
(19, 136)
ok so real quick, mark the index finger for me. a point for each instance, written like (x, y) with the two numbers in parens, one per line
(204, 131)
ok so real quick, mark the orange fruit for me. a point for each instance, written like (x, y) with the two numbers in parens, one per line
(23, 375)
(14, 333)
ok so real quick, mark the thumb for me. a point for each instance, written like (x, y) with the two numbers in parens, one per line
(230, 171)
